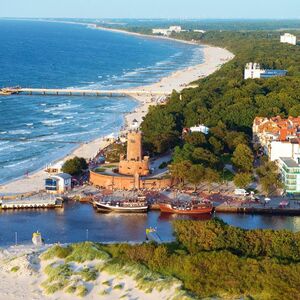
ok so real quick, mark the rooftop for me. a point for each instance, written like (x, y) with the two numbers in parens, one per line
(289, 162)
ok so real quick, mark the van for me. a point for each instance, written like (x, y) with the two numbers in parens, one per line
(240, 192)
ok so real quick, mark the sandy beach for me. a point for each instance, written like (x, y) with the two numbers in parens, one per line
(213, 59)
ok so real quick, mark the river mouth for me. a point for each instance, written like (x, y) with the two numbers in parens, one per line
(78, 222)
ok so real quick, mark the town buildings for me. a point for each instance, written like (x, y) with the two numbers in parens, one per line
(254, 71)
(280, 141)
(288, 39)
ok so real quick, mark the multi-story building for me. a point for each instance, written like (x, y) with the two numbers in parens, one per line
(254, 71)
(280, 141)
(288, 39)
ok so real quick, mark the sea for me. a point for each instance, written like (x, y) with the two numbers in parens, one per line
(36, 130)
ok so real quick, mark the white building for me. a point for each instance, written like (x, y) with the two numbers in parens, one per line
(200, 128)
(252, 70)
(134, 124)
(176, 29)
(167, 32)
(199, 30)
(58, 184)
(279, 149)
(161, 31)
(288, 38)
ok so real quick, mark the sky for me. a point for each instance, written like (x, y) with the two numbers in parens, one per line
(200, 9)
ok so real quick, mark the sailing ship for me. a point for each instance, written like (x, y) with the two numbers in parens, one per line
(190, 207)
(131, 205)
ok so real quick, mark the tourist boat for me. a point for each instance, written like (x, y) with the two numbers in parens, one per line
(126, 206)
(187, 207)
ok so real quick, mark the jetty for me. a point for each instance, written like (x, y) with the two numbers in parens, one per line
(46, 201)
(80, 92)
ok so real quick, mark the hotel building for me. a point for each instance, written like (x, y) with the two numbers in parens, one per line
(254, 71)
(280, 141)
(288, 38)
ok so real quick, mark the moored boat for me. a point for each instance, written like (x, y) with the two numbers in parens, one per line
(187, 208)
(126, 206)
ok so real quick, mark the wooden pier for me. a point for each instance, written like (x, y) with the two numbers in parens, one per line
(80, 92)
(32, 203)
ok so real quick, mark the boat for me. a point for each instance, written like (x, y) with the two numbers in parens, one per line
(127, 206)
(189, 208)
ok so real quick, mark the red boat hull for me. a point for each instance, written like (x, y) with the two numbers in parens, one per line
(167, 208)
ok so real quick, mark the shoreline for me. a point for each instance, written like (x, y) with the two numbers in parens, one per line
(213, 59)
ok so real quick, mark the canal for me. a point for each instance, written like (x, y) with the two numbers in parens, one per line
(79, 222)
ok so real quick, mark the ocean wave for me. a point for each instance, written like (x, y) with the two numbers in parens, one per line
(51, 123)
(19, 131)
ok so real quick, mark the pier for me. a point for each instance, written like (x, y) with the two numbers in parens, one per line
(38, 201)
(80, 92)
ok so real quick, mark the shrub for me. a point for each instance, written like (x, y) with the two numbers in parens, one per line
(75, 166)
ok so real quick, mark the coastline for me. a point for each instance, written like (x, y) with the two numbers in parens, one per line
(213, 59)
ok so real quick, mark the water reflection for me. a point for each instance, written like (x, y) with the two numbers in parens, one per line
(71, 224)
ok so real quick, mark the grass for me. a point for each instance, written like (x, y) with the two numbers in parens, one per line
(107, 282)
(100, 170)
(15, 269)
(118, 287)
(88, 274)
(80, 252)
(104, 292)
(57, 251)
(71, 289)
(81, 290)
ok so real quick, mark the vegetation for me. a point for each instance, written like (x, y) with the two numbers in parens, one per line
(75, 166)
(208, 260)
(15, 269)
(214, 260)
(114, 151)
(269, 176)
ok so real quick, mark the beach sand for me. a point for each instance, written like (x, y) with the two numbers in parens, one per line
(214, 57)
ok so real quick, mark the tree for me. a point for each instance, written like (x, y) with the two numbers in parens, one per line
(216, 145)
(242, 180)
(75, 166)
(269, 177)
(295, 111)
(211, 176)
(243, 158)
(196, 175)
(180, 170)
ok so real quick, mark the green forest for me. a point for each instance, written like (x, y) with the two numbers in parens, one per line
(227, 104)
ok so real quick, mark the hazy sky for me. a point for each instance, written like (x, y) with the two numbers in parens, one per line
(151, 8)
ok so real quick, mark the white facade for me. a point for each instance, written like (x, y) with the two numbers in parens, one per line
(253, 70)
(200, 128)
(288, 39)
(167, 32)
(59, 183)
(279, 149)
(176, 29)
(161, 31)
(199, 30)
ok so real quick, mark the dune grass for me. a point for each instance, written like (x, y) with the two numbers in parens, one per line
(118, 287)
(81, 290)
(15, 269)
(88, 274)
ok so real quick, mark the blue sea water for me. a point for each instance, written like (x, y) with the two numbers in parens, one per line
(57, 55)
